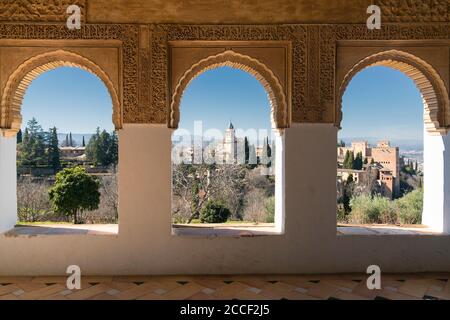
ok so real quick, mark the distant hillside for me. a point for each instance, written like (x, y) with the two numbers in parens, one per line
(77, 138)
(403, 144)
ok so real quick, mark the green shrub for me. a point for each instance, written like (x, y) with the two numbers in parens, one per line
(342, 215)
(270, 209)
(214, 212)
(409, 207)
(366, 209)
(74, 191)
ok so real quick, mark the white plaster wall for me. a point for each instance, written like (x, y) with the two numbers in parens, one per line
(8, 176)
(436, 213)
(145, 244)
(280, 212)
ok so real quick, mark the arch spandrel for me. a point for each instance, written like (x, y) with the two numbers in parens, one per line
(278, 101)
(428, 81)
(20, 79)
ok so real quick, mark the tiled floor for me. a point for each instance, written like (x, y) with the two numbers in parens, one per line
(296, 287)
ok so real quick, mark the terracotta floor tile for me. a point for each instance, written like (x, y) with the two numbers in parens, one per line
(87, 293)
(416, 288)
(56, 296)
(362, 290)
(4, 290)
(42, 292)
(392, 295)
(9, 297)
(140, 290)
(322, 290)
(202, 296)
(281, 290)
(228, 291)
(242, 287)
(103, 296)
(183, 292)
(342, 295)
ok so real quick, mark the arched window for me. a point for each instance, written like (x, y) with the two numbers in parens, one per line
(394, 112)
(60, 119)
(226, 157)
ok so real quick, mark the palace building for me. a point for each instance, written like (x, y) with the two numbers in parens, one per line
(387, 162)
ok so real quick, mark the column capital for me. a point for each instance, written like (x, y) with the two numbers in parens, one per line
(8, 133)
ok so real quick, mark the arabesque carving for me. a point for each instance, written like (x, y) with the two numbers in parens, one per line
(20, 79)
(126, 34)
(427, 80)
(39, 10)
(145, 87)
(275, 91)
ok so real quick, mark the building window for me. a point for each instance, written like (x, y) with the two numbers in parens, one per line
(226, 158)
(382, 135)
(67, 134)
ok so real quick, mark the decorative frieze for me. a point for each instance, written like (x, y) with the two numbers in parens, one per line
(38, 10)
(145, 58)
(414, 10)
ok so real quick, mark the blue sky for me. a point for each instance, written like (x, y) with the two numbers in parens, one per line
(379, 103)
(71, 99)
(221, 95)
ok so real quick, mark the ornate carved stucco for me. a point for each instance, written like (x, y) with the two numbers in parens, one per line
(313, 58)
(20, 79)
(38, 10)
(146, 59)
(162, 34)
(414, 10)
(127, 34)
(331, 34)
(427, 80)
(228, 12)
(272, 85)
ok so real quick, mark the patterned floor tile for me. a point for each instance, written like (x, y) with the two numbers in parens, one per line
(425, 286)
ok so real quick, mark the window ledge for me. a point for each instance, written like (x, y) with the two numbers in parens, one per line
(225, 230)
(382, 230)
(62, 229)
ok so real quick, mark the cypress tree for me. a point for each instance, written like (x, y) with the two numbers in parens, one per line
(32, 149)
(265, 153)
(24, 149)
(252, 159)
(272, 154)
(53, 151)
(346, 159)
(84, 144)
(269, 149)
(37, 143)
(246, 150)
(70, 140)
(114, 149)
(349, 160)
(92, 147)
(19, 136)
(358, 162)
